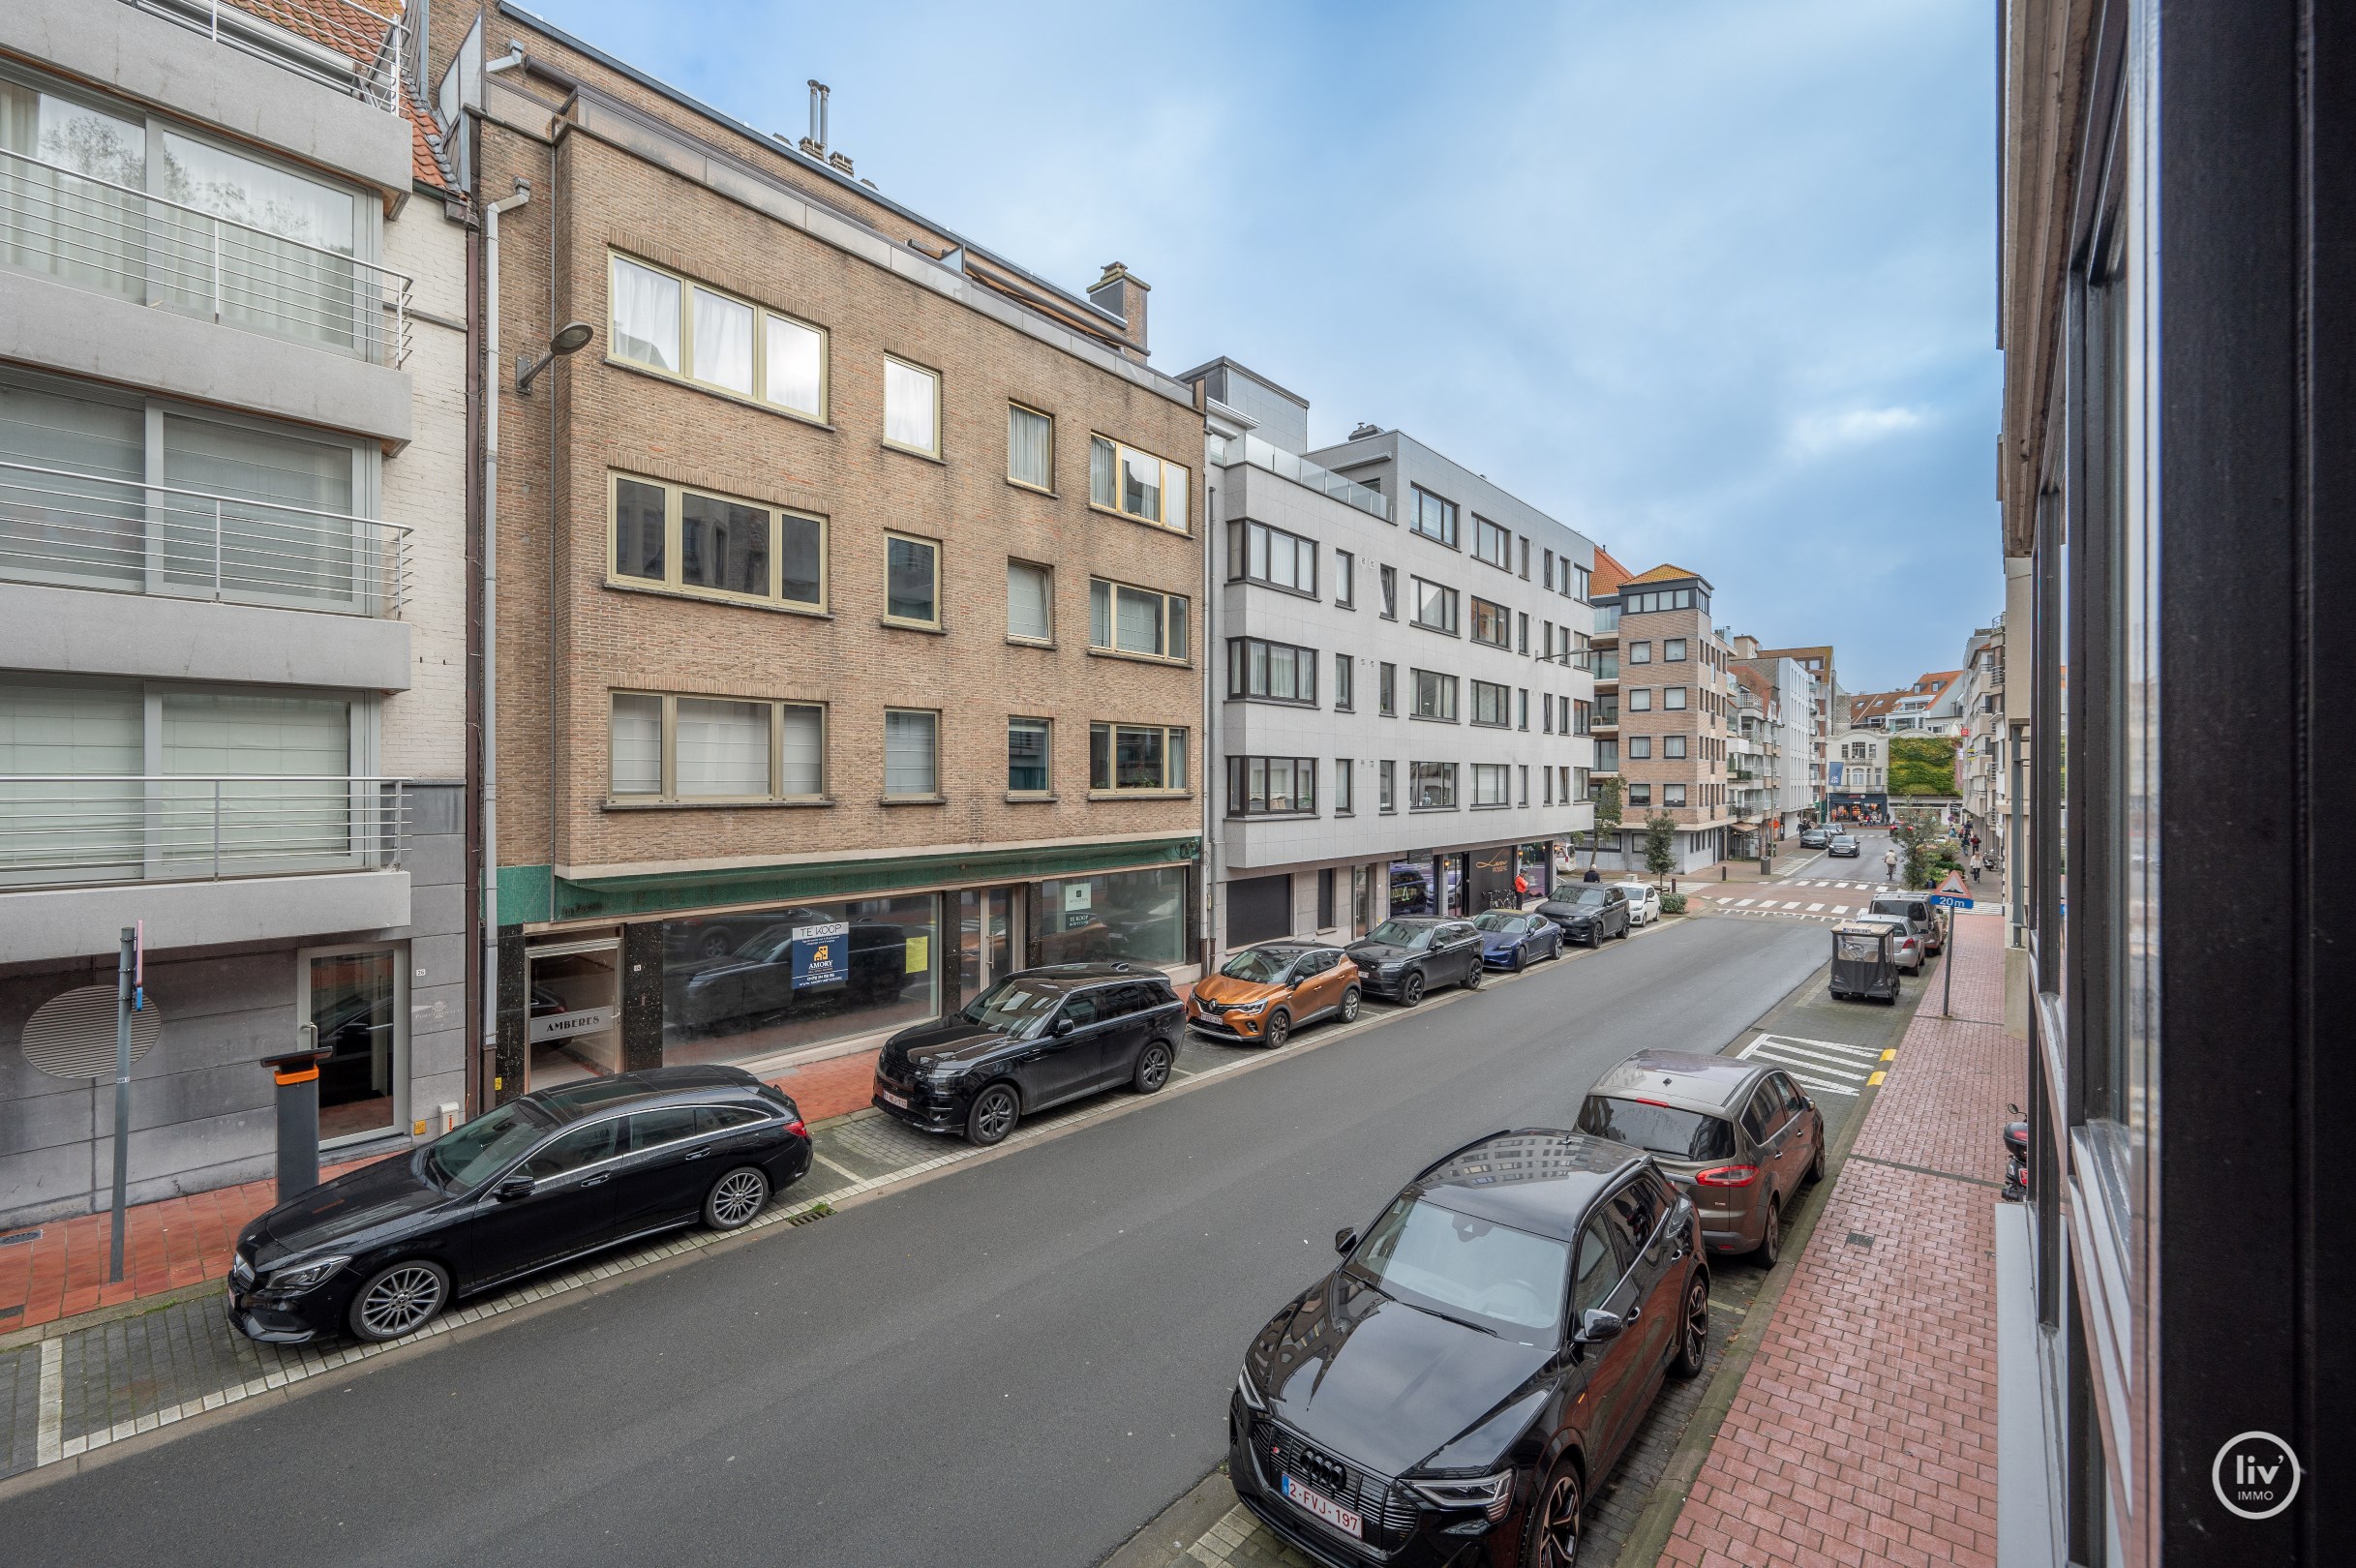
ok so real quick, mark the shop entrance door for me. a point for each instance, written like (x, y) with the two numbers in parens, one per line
(989, 938)
(575, 1028)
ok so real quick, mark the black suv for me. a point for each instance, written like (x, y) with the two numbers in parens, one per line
(1034, 1039)
(1597, 911)
(1408, 954)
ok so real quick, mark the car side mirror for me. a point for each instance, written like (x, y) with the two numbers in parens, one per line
(1065, 1026)
(513, 1188)
(1344, 1240)
(1599, 1325)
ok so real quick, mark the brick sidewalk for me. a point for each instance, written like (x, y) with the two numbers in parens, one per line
(1866, 1429)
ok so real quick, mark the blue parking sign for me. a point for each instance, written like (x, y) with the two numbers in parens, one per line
(819, 956)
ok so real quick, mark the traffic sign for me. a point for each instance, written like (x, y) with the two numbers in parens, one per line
(1951, 892)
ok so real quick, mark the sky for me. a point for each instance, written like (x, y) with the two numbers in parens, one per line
(1710, 281)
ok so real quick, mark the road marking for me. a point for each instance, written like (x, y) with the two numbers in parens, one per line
(1813, 908)
(1891, 1055)
(48, 1449)
(1874, 1082)
(1744, 903)
(837, 1169)
(1823, 1086)
(1793, 904)
(1771, 1043)
(1812, 1064)
(1867, 1052)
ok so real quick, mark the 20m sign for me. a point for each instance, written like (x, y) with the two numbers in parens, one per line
(2255, 1475)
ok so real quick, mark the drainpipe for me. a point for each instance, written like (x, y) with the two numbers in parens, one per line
(490, 596)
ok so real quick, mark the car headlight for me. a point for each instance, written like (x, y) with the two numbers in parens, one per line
(1392, 967)
(303, 1275)
(1247, 1007)
(1247, 1392)
(1492, 1494)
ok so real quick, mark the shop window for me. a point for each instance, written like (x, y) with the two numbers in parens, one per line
(755, 983)
(1137, 916)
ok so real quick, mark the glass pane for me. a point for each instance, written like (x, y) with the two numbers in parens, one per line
(908, 405)
(755, 983)
(90, 824)
(723, 342)
(303, 817)
(1026, 754)
(1137, 758)
(1141, 485)
(909, 587)
(294, 277)
(275, 545)
(722, 545)
(723, 747)
(637, 762)
(1100, 614)
(801, 560)
(1139, 916)
(573, 1031)
(1174, 512)
(1103, 487)
(806, 757)
(1140, 627)
(1026, 601)
(795, 367)
(1178, 634)
(646, 315)
(1029, 450)
(56, 526)
(353, 1005)
(76, 229)
(909, 755)
(638, 530)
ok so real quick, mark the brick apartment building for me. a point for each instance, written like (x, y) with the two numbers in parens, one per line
(1671, 715)
(848, 589)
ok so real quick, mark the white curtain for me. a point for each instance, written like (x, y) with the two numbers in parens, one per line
(795, 369)
(637, 766)
(245, 820)
(723, 343)
(723, 747)
(268, 549)
(94, 824)
(806, 759)
(54, 527)
(646, 315)
(72, 228)
(1027, 601)
(908, 406)
(1141, 485)
(1140, 626)
(909, 754)
(291, 288)
(1030, 448)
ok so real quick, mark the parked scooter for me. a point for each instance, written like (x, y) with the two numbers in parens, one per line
(2016, 1158)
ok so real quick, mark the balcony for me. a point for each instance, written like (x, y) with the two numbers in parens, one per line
(80, 829)
(1606, 620)
(343, 45)
(71, 530)
(112, 239)
(1301, 471)
(1602, 719)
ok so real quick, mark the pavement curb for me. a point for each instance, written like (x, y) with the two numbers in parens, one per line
(1182, 1523)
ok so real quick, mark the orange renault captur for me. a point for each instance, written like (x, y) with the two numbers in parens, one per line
(1261, 995)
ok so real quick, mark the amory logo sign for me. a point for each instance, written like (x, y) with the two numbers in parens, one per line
(2255, 1475)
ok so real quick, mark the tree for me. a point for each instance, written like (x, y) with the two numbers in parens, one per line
(1922, 765)
(1926, 850)
(1607, 816)
(1660, 844)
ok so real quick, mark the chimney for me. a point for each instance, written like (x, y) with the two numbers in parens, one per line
(815, 143)
(1123, 295)
(1746, 646)
(839, 161)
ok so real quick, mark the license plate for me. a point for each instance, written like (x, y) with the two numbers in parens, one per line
(891, 1099)
(1325, 1508)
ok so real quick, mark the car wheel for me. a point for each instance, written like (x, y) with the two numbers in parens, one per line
(1550, 1539)
(1693, 1329)
(713, 945)
(1278, 1029)
(1771, 1240)
(994, 1113)
(1815, 1167)
(736, 1198)
(1520, 954)
(1350, 1005)
(398, 1299)
(1154, 1067)
(1411, 989)
(1473, 977)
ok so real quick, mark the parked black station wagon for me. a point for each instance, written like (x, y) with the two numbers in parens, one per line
(1036, 1039)
(538, 1182)
(1481, 1358)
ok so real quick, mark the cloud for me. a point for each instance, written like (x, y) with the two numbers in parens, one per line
(1815, 435)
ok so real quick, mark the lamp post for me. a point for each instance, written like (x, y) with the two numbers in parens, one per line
(571, 338)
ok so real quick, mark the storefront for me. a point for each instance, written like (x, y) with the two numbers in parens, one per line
(1535, 869)
(1849, 809)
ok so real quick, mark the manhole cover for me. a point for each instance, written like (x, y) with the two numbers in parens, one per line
(72, 1035)
(1857, 1238)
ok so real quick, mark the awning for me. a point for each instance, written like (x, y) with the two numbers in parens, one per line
(1744, 826)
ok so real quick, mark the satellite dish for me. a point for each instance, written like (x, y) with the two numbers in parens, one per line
(72, 1034)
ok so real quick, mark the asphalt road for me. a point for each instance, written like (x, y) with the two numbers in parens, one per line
(1019, 1362)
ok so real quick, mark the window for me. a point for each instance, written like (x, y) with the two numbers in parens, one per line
(1027, 739)
(1640, 700)
(1271, 556)
(1526, 560)
(1650, 604)
(1258, 786)
(1345, 682)
(1639, 652)
(1387, 690)
(1435, 694)
(1136, 484)
(1640, 795)
(1580, 716)
(1490, 623)
(1491, 543)
(911, 753)
(1346, 579)
(1550, 570)
(1579, 588)
(667, 748)
(1276, 672)
(1672, 747)
(1582, 776)
(1547, 776)
(1123, 757)
(1431, 786)
(1672, 650)
(1030, 602)
(1640, 748)
(1524, 772)
(1522, 705)
(1490, 783)
(912, 580)
(1607, 756)
(1435, 607)
(1344, 789)
(1673, 794)
(1390, 592)
(1135, 620)
(1491, 704)
(1385, 778)
(357, 1001)
(1673, 698)
(676, 327)
(911, 408)
(1523, 620)
(1030, 448)
(714, 546)
(1432, 517)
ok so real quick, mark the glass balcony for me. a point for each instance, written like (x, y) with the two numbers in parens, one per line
(73, 529)
(1301, 471)
(112, 239)
(342, 45)
(65, 829)
(1607, 619)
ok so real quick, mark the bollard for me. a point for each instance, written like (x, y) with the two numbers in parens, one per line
(297, 1077)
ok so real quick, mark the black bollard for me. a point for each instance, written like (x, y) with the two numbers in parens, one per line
(297, 1076)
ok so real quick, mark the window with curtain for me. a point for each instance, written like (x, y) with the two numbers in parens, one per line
(1345, 694)
(1136, 484)
(1278, 671)
(688, 749)
(1263, 785)
(308, 811)
(88, 526)
(1435, 694)
(1672, 747)
(636, 767)
(1490, 784)
(722, 747)
(1125, 619)
(1027, 756)
(1346, 579)
(1028, 601)
(1265, 555)
(794, 370)
(723, 343)
(1640, 700)
(645, 316)
(95, 825)
(275, 546)
(1344, 782)
(1673, 794)
(912, 580)
(306, 289)
(1030, 448)
(1491, 704)
(912, 407)
(1136, 757)
(59, 213)
(1386, 778)
(910, 760)
(1673, 698)
(803, 749)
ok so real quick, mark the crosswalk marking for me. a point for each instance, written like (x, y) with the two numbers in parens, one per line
(1813, 908)
(1793, 904)
(1839, 1047)
(1744, 903)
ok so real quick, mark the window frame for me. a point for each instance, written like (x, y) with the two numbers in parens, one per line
(1504, 704)
(1346, 683)
(1448, 598)
(1240, 796)
(1443, 770)
(1386, 783)
(1024, 639)
(912, 797)
(1673, 796)
(1639, 652)
(1386, 691)
(1122, 450)
(1637, 699)
(1240, 668)
(1181, 616)
(1345, 787)
(1449, 518)
(1499, 773)
(1016, 406)
(1389, 577)
(1110, 729)
(1240, 555)
(672, 583)
(1482, 531)
(1673, 700)
(1502, 618)
(894, 536)
(685, 375)
(1444, 683)
(1346, 579)
(904, 362)
(666, 795)
(1046, 727)
(1673, 651)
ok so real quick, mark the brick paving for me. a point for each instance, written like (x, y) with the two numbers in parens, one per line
(1866, 1429)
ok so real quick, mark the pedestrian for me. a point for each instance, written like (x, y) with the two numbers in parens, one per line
(1889, 866)
(1974, 865)
(1590, 876)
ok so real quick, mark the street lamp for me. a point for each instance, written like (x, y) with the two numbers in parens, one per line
(571, 338)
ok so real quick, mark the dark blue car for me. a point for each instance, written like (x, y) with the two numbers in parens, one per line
(1510, 940)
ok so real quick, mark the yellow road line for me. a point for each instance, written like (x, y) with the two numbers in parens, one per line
(1891, 1055)
(1875, 1081)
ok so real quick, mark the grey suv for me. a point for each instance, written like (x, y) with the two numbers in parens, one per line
(1737, 1137)
(1916, 910)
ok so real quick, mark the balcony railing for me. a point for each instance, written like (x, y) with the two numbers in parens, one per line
(342, 46)
(80, 827)
(87, 530)
(113, 239)
(1604, 718)
(1301, 471)
(1607, 619)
